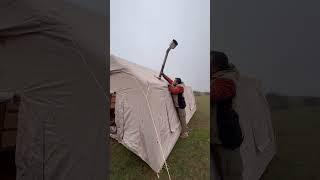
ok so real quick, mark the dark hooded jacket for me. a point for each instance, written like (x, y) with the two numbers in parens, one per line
(223, 86)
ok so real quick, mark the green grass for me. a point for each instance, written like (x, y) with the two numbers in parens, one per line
(297, 130)
(189, 159)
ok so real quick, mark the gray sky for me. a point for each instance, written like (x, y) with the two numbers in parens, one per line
(98, 6)
(276, 41)
(141, 31)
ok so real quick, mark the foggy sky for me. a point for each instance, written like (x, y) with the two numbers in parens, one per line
(275, 41)
(141, 31)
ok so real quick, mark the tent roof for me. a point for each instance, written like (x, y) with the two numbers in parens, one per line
(141, 73)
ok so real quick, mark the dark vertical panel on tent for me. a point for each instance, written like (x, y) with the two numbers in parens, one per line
(8, 123)
(107, 49)
(2, 116)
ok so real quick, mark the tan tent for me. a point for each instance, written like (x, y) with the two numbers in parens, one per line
(145, 114)
(47, 61)
(258, 148)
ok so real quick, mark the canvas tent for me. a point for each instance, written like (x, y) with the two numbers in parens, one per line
(258, 148)
(47, 60)
(145, 114)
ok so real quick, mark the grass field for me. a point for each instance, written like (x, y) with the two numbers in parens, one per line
(189, 159)
(297, 130)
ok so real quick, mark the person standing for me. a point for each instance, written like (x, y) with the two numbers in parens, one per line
(176, 88)
(226, 134)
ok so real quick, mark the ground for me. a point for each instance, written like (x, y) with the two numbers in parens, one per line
(189, 159)
(297, 130)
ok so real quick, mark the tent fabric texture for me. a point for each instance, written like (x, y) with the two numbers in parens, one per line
(258, 148)
(145, 115)
(47, 61)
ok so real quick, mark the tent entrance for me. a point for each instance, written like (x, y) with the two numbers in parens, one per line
(113, 126)
(9, 110)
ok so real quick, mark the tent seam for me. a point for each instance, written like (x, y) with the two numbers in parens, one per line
(149, 108)
(162, 153)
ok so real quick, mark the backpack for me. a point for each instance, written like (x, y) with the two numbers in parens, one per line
(230, 133)
(181, 101)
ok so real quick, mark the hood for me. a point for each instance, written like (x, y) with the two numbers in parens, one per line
(230, 73)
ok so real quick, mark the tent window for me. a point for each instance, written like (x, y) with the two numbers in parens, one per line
(167, 112)
(168, 116)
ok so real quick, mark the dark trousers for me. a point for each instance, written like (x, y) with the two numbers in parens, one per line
(182, 118)
(216, 163)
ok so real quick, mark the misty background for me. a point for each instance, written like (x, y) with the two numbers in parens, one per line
(275, 41)
(141, 31)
